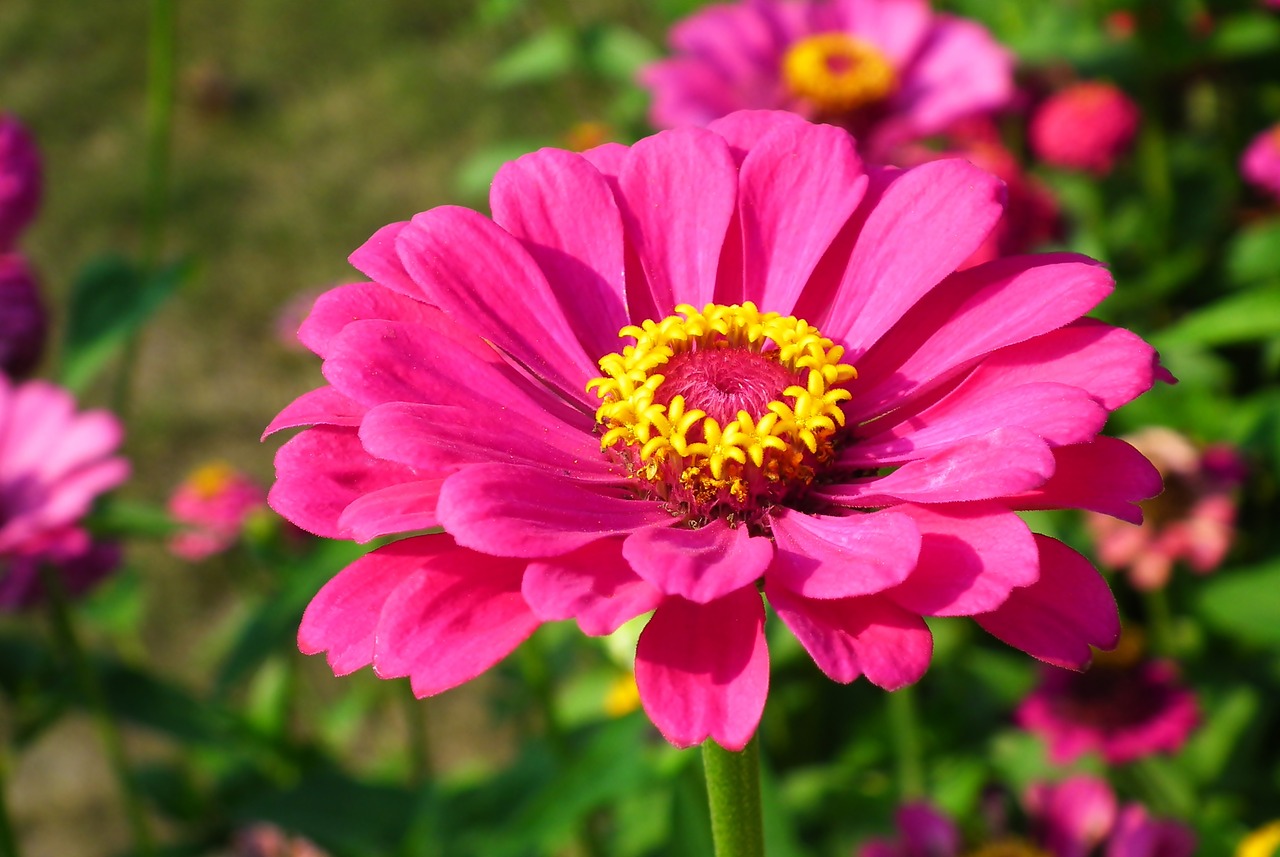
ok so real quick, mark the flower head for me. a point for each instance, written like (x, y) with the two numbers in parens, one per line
(1086, 126)
(674, 376)
(267, 840)
(888, 70)
(1263, 842)
(214, 501)
(23, 321)
(1193, 519)
(1123, 707)
(54, 463)
(1260, 163)
(20, 180)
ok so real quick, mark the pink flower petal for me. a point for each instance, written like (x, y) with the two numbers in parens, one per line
(593, 584)
(392, 510)
(821, 556)
(563, 212)
(971, 557)
(743, 129)
(322, 406)
(948, 206)
(927, 832)
(996, 464)
(1057, 618)
(338, 307)
(1077, 815)
(1136, 834)
(895, 27)
(703, 669)
(1106, 475)
(849, 637)
(378, 260)
(474, 270)
(449, 624)
(700, 565)
(508, 510)
(679, 193)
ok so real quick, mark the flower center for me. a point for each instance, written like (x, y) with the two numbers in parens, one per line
(837, 73)
(1263, 842)
(1008, 848)
(723, 412)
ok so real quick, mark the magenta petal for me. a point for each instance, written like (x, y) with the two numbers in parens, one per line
(392, 510)
(798, 187)
(474, 270)
(927, 832)
(322, 406)
(1076, 815)
(743, 129)
(453, 621)
(593, 584)
(703, 669)
(1106, 475)
(1136, 834)
(1057, 618)
(343, 617)
(700, 565)
(820, 556)
(849, 637)
(948, 206)
(508, 510)
(996, 464)
(971, 557)
(338, 307)
(679, 192)
(563, 212)
(378, 260)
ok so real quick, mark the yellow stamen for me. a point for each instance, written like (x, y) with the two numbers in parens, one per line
(1263, 842)
(1009, 848)
(211, 479)
(837, 73)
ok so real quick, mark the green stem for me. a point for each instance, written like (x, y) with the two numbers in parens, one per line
(8, 839)
(108, 730)
(904, 725)
(1160, 621)
(415, 711)
(733, 792)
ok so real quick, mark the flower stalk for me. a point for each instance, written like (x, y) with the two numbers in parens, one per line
(733, 792)
(904, 725)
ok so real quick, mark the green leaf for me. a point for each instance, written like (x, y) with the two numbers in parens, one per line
(117, 518)
(476, 173)
(1244, 603)
(549, 54)
(1246, 317)
(111, 300)
(1226, 721)
(617, 52)
(1255, 34)
(1254, 254)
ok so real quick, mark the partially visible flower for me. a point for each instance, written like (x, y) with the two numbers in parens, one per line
(587, 135)
(291, 314)
(1123, 707)
(1120, 25)
(666, 379)
(268, 840)
(213, 503)
(1260, 163)
(20, 180)
(622, 696)
(23, 320)
(888, 70)
(1075, 818)
(54, 463)
(1085, 126)
(1193, 519)
(1265, 841)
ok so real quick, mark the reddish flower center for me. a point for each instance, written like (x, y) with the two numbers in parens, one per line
(1111, 698)
(722, 382)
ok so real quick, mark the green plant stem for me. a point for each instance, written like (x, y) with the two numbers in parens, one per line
(904, 725)
(8, 839)
(109, 732)
(733, 792)
(1160, 622)
(415, 711)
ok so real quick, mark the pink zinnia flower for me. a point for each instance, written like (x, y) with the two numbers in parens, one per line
(20, 180)
(1086, 126)
(23, 321)
(545, 388)
(54, 463)
(1260, 163)
(1193, 519)
(213, 502)
(267, 840)
(1075, 818)
(888, 70)
(1123, 707)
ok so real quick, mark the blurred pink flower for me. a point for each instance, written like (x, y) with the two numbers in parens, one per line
(1193, 519)
(486, 383)
(887, 70)
(1260, 163)
(1085, 126)
(213, 502)
(1075, 818)
(20, 180)
(23, 321)
(53, 464)
(268, 840)
(1124, 707)
(291, 315)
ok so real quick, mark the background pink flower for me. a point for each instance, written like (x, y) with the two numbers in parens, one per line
(888, 70)
(1193, 519)
(20, 180)
(213, 503)
(1260, 163)
(1086, 126)
(867, 462)
(23, 321)
(54, 463)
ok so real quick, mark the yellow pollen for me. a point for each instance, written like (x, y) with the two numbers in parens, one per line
(837, 73)
(211, 479)
(1008, 848)
(688, 457)
(1263, 842)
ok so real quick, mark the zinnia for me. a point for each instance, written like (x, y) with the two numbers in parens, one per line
(1086, 126)
(54, 463)
(1260, 163)
(23, 320)
(20, 180)
(888, 70)
(669, 376)
(213, 502)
